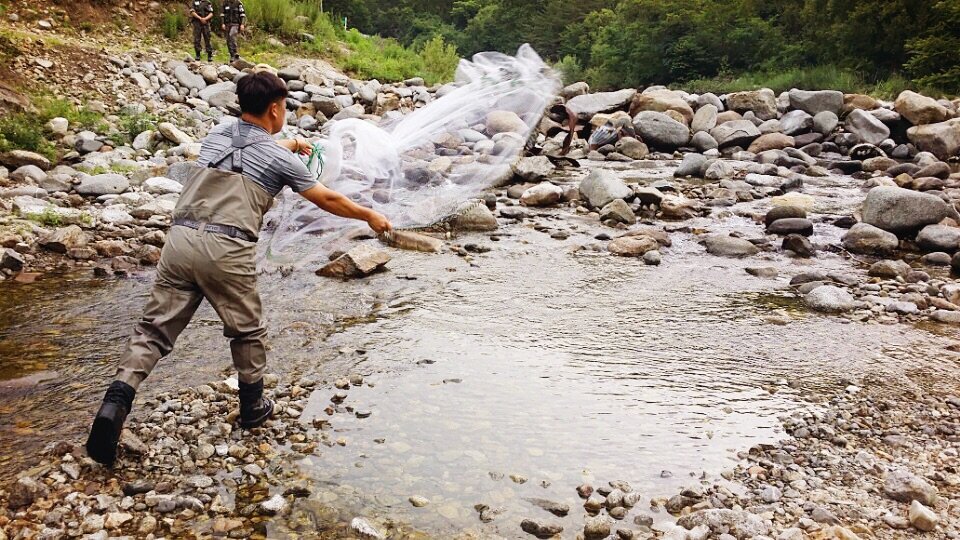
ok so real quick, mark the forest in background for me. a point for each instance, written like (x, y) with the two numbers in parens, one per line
(877, 46)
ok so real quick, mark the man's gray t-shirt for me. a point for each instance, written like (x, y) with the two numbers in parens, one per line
(268, 164)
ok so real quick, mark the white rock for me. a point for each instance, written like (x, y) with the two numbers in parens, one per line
(159, 185)
(922, 517)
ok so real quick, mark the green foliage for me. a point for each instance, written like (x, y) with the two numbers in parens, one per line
(570, 69)
(25, 131)
(132, 124)
(48, 218)
(439, 60)
(379, 58)
(274, 16)
(173, 23)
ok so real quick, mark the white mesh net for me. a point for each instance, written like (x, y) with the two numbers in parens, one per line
(418, 168)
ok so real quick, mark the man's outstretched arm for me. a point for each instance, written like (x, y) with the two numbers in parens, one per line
(337, 204)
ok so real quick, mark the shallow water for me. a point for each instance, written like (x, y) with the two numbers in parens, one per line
(538, 359)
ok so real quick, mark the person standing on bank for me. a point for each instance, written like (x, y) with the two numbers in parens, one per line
(210, 253)
(234, 17)
(201, 11)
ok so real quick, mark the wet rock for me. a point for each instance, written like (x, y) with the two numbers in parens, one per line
(919, 110)
(796, 123)
(691, 165)
(719, 170)
(584, 491)
(771, 141)
(798, 245)
(728, 246)
(922, 517)
(896, 209)
(24, 492)
(555, 508)
(64, 239)
(418, 501)
(945, 316)
(783, 212)
(474, 216)
(937, 258)
(632, 246)
(703, 142)
(767, 272)
(869, 240)
(540, 530)
(365, 529)
(412, 241)
(784, 226)
(619, 211)
(661, 130)
(601, 187)
(740, 524)
(360, 261)
(543, 194)
(533, 169)
(596, 528)
(662, 100)
(906, 487)
(632, 148)
(504, 122)
(889, 269)
(11, 260)
(652, 258)
(830, 299)
(939, 238)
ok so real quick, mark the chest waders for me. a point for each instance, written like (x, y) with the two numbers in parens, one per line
(210, 253)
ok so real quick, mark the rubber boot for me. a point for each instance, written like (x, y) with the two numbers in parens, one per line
(209, 57)
(254, 408)
(107, 425)
(196, 56)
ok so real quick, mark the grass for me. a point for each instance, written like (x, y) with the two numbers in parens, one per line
(26, 130)
(132, 124)
(388, 60)
(173, 23)
(825, 77)
(47, 218)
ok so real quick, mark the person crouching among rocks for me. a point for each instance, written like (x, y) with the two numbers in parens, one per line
(210, 253)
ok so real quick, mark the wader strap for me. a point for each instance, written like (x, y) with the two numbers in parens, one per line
(237, 145)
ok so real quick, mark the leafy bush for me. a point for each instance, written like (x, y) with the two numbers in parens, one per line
(440, 60)
(23, 132)
(570, 69)
(132, 124)
(173, 23)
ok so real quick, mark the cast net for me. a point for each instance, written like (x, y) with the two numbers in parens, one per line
(418, 168)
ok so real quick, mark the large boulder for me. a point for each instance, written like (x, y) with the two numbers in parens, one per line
(64, 239)
(825, 122)
(542, 194)
(660, 130)
(867, 127)
(587, 105)
(601, 187)
(705, 119)
(504, 122)
(920, 110)
(901, 210)
(360, 261)
(866, 239)
(735, 133)
(939, 238)
(728, 246)
(103, 184)
(815, 102)
(830, 299)
(771, 141)
(660, 100)
(762, 102)
(691, 165)
(796, 122)
(942, 139)
(18, 158)
(533, 169)
(188, 79)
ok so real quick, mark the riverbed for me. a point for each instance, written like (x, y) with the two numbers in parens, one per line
(496, 379)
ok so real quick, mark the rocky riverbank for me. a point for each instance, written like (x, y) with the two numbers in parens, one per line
(871, 460)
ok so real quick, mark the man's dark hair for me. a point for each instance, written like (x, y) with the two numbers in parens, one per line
(257, 91)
